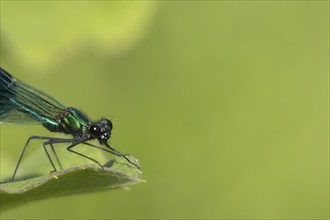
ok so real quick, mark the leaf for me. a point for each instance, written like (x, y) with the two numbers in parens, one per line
(80, 179)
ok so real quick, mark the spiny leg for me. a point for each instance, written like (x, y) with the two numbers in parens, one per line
(59, 140)
(57, 159)
(49, 158)
(80, 154)
(24, 149)
(115, 152)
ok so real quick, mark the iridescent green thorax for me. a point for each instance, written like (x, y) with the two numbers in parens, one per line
(71, 121)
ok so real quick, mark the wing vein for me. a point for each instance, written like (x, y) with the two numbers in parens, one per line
(23, 104)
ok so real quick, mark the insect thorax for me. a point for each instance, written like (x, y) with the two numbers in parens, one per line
(71, 121)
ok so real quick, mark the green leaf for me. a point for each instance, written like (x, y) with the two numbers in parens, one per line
(81, 179)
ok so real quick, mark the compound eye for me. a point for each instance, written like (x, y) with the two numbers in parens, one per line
(107, 123)
(95, 130)
(110, 124)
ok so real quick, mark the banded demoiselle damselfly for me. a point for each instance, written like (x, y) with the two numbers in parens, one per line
(21, 103)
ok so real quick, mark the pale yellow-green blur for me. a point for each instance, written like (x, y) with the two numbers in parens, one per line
(225, 104)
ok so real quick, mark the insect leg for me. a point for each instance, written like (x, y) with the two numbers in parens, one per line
(24, 149)
(59, 140)
(69, 148)
(57, 159)
(52, 141)
(115, 152)
(49, 158)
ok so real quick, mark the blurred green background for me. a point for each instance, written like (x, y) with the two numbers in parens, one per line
(225, 104)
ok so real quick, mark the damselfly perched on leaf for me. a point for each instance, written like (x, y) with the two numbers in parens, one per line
(20, 103)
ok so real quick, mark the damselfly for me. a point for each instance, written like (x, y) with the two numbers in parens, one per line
(21, 103)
